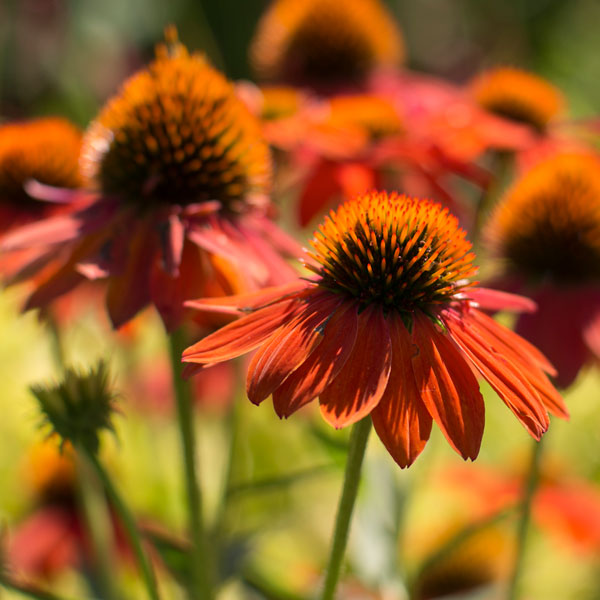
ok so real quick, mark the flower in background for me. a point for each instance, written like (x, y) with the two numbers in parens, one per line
(479, 561)
(546, 230)
(37, 151)
(389, 326)
(41, 150)
(325, 44)
(181, 176)
(50, 539)
(564, 506)
(518, 96)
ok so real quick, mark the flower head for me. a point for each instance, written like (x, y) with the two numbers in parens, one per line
(324, 43)
(546, 229)
(389, 326)
(177, 134)
(79, 407)
(179, 174)
(519, 96)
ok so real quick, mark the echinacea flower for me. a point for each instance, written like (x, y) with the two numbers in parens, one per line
(546, 230)
(518, 96)
(389, 326)
(44, 150)
(324, 43)
(180, 177)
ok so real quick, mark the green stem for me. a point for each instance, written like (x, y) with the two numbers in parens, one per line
(529, 488)
(201, 567)
(128, 521)
(356, 452)
(56, 341)
(92, 501)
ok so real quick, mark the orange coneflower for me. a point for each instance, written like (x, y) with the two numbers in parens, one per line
(547, 231)
(518, 96)
(324, 43)
(179, 175)
(389, 326)
(45, 150)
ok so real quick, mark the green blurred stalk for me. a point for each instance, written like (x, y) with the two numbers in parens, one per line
(98, 524)
(529, 488)
(359, 437)
(128, 522)
(201, 565)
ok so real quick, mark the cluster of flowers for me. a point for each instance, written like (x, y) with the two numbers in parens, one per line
(170, 197)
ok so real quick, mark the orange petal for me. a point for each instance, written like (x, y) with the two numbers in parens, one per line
(129, 290)
(513, 342)
(401, 419)
(448, 388)
(288, 347)
(320, 368)
(361, 382)
(242, 335)
(508, 381)
(526, 357)
(247, 301)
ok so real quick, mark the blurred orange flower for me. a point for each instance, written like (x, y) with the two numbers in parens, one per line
(546, 230)
(183, 175)
(389, 326)
(518, 96)
(325, 44)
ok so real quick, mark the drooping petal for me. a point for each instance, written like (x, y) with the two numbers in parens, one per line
(400, 419)
(448, 388)
(249, 301)
(524, 356)
(288, 347)
(168, 292)
(66, 276)
(242, 335)
(361, 382)
(489, 299)
(59, 229)
(508, 381)
(172, 238)
(513, 343)
(310, 379)
(129, 290)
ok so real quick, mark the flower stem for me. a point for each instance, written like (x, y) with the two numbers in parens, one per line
(356, 452)
(529, 488)
(201, 557)
(128, 522)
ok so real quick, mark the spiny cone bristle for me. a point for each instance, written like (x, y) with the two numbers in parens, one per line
(519, 96)
(324, 41)
(548, 224)
(177, 133)
(400, 252)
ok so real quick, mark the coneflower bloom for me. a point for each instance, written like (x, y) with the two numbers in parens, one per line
(546, 230)
(518, 96)
(389, 326)
(180, 176)
(324, 43)
(44, 150)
